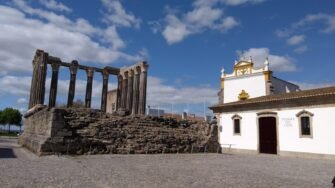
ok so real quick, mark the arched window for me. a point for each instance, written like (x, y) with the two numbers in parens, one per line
(237, 124)
(305, 120)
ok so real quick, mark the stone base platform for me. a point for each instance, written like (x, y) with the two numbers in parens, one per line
(86, 131)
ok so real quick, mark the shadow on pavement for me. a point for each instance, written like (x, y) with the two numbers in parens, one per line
(6, 153)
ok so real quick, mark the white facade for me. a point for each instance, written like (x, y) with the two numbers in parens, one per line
(288, 132)
(254, 85)
(253, 118)
(253, 82)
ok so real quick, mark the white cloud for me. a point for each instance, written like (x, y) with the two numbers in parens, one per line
(113, 38)
(304, 24)
(144, 53)
(296, 39)
(240, 2)
(15, 86)
(327, 19)
(277, 63)
(21, 35)
(54, 5)
(301, 49)
(306, 85)
(299, 26)
(22, 101)
(20, 86)
(200, 3)
(283, 33)
(175, 31)
(158, 92)
(155, 26)
(118, 16)
(227, 2)
(227, 23)
(80, 25)
(204, 16)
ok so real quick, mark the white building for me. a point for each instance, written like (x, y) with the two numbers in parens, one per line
(259, 113)
(154, 112)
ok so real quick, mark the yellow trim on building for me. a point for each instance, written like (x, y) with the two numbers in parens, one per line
(243, 95)
(243, 67)
(267, 75)
(222, 83)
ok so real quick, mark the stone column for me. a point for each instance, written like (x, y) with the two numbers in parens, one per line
(89, 84)
(53, 84)
(105, 76)
(130, 91)
(124, 90)
(119, 92)
(32, 99)
(136, 92)
(143, 89)
(72, 86)
(40, 78)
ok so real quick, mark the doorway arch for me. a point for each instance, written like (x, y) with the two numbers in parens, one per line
(267, 133)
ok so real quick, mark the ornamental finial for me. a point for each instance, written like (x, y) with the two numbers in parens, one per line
(250, 59)
(266, 64)
(222, 72)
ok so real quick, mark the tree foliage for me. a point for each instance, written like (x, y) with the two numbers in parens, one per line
(10, 116)
(1, 118)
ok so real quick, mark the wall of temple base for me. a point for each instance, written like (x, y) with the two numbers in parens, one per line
(87, 131)
(44, 128)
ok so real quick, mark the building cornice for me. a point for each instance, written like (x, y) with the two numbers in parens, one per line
(321, 96)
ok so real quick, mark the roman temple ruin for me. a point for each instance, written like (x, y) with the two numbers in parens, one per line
(69, 129)
(131, 84)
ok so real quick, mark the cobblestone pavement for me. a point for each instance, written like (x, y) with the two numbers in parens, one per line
(20, 168)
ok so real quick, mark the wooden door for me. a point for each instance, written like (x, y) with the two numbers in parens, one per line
(267, 135)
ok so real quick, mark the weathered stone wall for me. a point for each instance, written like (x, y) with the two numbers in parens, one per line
(42, 128)
(86, 131)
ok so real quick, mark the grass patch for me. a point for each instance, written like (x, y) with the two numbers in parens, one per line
(8, 134)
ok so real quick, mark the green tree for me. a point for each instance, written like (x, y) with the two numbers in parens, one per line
(2, 122)
(10, 116)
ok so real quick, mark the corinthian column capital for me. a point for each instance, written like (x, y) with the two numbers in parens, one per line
(144, 67)
(131, 73)
(105, 73)
(90, 72)
(55, 66)
(74, 67)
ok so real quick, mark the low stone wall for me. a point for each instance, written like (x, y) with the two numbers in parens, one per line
(42, 128)
(86, 131)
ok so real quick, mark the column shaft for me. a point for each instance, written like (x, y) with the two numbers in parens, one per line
(53, 85)
(41, 77)
(130, 91)
(124, 91)
(143, 91)
(135, 93)
(32, 100)
(119, 92)
(105, 76)
(89, 85)
(72, 86)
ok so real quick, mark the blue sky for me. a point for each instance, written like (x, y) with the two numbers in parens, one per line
(185, 42)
